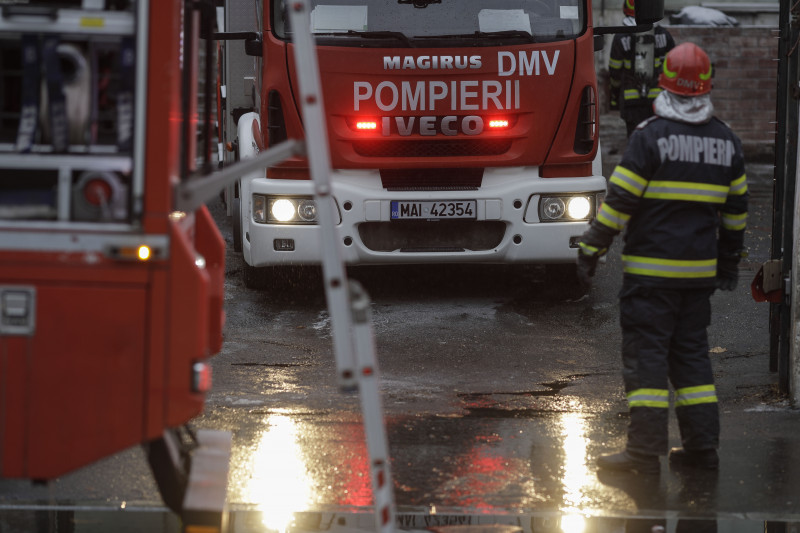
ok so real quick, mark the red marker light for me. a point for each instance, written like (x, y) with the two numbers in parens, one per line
(366, 125)
(498, 123)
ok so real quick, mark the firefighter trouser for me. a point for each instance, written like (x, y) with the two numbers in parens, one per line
(664, 338)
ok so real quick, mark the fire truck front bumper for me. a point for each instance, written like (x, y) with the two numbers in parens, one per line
(514, 217)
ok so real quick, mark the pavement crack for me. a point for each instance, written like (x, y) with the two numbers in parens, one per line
(273, 365)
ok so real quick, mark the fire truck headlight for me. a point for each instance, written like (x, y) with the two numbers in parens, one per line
(284, 209)
(566, 208)
(307, 210)
(552, 208)
(578, 207)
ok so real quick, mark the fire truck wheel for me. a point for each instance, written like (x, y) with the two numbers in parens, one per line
(236, 223)
(168, 468)
(564, 278)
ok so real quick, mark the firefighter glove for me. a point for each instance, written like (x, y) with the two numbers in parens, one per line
(587, 265)
(728, 271)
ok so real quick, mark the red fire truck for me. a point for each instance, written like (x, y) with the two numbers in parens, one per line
(460, 131)
(110, 298)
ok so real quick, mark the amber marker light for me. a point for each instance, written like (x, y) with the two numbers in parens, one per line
(143, 252)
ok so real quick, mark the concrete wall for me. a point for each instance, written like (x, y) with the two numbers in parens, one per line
(745, 79)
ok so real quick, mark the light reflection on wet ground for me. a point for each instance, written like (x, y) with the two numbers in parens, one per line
(485, 461)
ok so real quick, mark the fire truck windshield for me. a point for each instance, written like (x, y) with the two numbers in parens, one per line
(427, 23)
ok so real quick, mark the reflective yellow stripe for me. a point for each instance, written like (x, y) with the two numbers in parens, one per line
(628, 64)
(631, 94)
(667, 72)
(614, 63)
(608, 216)
(669, 268)
(695, 395)
(630, 181)
(592, 250)
(654, 92)
(739, 186)
(649, 398)
(734, 222)
(687, 191)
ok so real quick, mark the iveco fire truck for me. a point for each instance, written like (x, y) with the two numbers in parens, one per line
(460, 130)
(110, 296)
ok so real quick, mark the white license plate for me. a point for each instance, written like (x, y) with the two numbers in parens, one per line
(402, 210)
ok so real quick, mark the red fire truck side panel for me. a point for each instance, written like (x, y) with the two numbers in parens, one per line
(56, 388)
(155, 378)
(109, 387)
(188, 318)
(13, 414)
(162, 148)
(211, 246)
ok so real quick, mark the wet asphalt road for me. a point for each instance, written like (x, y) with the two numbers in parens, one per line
(500, 391)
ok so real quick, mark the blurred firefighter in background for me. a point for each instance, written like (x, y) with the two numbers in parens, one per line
(680, 195)
(633, 67)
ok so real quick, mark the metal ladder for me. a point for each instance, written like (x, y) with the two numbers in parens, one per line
(348, 303)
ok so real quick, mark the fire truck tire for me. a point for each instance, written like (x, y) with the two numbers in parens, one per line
(169, 472)
(236, 223)
(564, 278)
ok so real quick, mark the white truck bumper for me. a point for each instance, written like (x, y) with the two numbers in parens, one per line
(507, 228)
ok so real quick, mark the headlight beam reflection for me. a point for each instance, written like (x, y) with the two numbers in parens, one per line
(575, 474)
(279, 483)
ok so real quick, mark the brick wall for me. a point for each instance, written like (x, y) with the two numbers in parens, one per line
(745, 79)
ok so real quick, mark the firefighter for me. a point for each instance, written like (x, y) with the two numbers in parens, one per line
(633, 67)
(680, 194)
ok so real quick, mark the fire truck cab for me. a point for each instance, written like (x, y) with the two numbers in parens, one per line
(459, 131)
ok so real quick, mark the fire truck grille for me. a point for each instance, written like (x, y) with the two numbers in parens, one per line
(435, 236)
(448, 148)
(431, 179)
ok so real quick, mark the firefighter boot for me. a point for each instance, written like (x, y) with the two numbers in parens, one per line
(702, 459)
(628, 461)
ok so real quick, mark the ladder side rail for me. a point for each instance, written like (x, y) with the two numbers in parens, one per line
(348, 305)
(372, 409)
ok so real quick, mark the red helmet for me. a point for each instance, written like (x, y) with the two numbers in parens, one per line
(628, 8)
(687, 71)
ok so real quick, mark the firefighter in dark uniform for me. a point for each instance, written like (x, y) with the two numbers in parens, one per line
(633, 66)
(680, 194)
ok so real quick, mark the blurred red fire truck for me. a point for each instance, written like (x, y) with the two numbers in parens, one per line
(111, 299)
